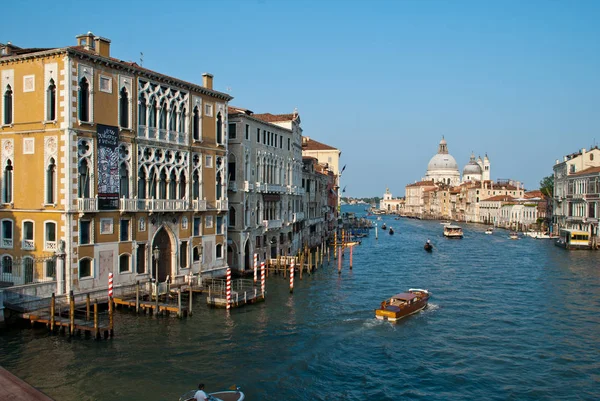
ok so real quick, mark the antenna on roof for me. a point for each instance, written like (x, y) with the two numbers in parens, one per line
(228, 89)
(141, 59)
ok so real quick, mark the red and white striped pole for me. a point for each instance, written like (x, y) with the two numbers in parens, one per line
(292, 276)
(255, 266)
(228, 289)
(262, 278)
(110, 285)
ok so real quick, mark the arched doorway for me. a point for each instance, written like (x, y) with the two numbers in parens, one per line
(163, 242)
(248, 257)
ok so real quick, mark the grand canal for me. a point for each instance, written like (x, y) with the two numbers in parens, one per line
(508, 320)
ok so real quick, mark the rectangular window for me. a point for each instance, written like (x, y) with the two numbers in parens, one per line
(141, 259)
(50, 268)
(247, 131)
(258, 237)
(85, 268)
(289, 141)
(219, 224)
(29, 83)
(50, 236)
(7, 234)
(183, 255)
(264, 137)
(196, 254)
(258, 135)
(208, 110)
(208, 162)
(124, 232)
(85, 236)
(124, 263)
(208, 221)
(280, 142)
(106, 226)
(197, 226)
(232, 130)
(28, 235)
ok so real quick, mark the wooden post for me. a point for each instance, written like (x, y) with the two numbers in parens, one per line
(137, 297)
(190, 307)
(87, 307)
(339, 260)
(351, 257)
(335, 245)
(179, 314)
(96, 328)
(301, 264)
(71, 314)
(111, 309)
(52, 311)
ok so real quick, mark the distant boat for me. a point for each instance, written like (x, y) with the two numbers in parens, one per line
(391, 231)
(489, 231)
(428, 247)
(384, 227)
(513, 235)
(452, 231)
(402, 305)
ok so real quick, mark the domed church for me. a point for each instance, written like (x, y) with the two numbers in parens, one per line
(477, 170)
(443, 167)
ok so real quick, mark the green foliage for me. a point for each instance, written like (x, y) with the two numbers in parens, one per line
(547, 186)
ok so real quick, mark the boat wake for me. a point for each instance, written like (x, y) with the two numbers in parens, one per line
(431, 307)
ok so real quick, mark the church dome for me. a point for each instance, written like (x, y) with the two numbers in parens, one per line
(442, 162)
(472, 168)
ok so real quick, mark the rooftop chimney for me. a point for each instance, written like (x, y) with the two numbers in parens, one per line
(86, 41)
(207, 80)
(102, 46)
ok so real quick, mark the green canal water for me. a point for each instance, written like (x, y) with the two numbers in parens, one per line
(508, 320)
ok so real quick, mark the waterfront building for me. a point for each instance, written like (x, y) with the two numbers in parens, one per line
(326, 155)
(576, 189)
(266, 209)
(414, 205)
(314, 182)
(103, 162)
(389, 204)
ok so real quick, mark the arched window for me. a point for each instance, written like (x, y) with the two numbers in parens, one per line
(196, 185)
(231, 167)
(152, 119)
(7, 264)
(123, 181)
(85, 268)
(162, 121)
(219, 129)
(141, 184)
(172, 119)
(83, 184)
(50, 236)
(8, 105)
(7, 182)
(28, 270)
(28, 235)
(51, 101)
(51, 182)
(172, 185)
(124, 263)
(232, 216)
(219, 251)
(219, 187)
(152, 185)
(196, 124)
(84, 100)
(124, 108)
(142, 110)
(182, 125)
(162, 185)
(182, 186)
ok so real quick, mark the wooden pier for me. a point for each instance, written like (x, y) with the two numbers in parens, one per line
(176, 301)
(243, 292)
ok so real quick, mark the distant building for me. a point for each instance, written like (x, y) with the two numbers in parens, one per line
(391, 205)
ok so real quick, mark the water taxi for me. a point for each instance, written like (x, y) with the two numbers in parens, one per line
(452, 231)
(403, 304)
(573, 239)
(513, 235)
(489, 231)
(227, 395)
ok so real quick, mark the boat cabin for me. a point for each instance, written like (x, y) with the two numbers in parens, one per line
(573, 239)
(452, 231)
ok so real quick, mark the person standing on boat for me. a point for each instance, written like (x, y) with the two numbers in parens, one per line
(200, 394)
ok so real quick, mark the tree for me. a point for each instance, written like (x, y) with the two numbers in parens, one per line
(547, 186)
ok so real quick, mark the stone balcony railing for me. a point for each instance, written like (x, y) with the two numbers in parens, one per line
(199, 205)
(275, 188)
(298, 216)
(28, 244)
(220, 205)
(7, 242)
(87, 205)
(248, 186)
(163, 135)
(50, 245)
(272, 224)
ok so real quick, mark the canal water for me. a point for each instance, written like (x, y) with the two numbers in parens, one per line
(508, 320)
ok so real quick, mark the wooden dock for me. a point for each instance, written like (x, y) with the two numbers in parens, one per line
(14, 389)
(170, 302)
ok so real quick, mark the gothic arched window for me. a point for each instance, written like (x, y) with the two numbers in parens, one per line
(84, 100)
(51, 101)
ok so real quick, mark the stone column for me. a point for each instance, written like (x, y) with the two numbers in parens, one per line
(60, 269)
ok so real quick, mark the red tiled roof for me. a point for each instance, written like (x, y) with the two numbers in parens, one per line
(590, 170)
(272, 118)
(503, 198)
(311, 144)
(533, 194)
(421, 184)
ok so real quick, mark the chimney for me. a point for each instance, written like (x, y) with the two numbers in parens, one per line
(207, 80)
(86, 41)
(102, 46)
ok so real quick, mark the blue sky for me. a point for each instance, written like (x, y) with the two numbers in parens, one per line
(381, 80)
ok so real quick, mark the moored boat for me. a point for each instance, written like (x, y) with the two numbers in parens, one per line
(403, 304)
(573, 239)
(226, 395)
(452, 231)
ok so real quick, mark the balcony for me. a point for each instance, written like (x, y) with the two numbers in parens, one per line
(232, 186)
(7, 243)
(199, 205)
(28, 244)
(87, 205)
(160, 205)
(248, 186)
(274, 188)
(128, 205)
(220, 205)
(50, 246)
(162, 135)
(272, 224)
(259, 187)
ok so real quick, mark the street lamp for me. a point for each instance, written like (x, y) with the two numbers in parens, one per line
(156, 255)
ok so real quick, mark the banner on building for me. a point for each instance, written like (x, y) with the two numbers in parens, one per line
(108, 167)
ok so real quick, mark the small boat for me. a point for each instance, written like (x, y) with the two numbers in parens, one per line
(403, 304)
(489, 231)
(573, 239)
(383, 227)
(227, 395)
(513, 235)
(428, 247)
(391, 231)
(452, 231)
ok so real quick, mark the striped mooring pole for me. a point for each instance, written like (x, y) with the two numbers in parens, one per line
(292, 276)
(262, 278)
(255, 266)
(228, 289)
(110, 285)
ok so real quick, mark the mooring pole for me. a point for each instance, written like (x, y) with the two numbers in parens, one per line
(87, 307)
(71, 313)
(52, 311)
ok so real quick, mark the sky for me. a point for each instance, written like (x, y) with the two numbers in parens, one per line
(382, 80)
